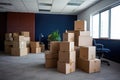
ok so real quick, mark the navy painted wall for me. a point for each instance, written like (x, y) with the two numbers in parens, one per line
(47, 23)
(114, 46)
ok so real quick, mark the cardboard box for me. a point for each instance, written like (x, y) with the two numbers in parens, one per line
(42, 47)
(90, 66)
(54, 46)
(87, 52)
(19, 44)
(19, 51)
(25, 33)
(67, 56)
(80, 25)
(28, 49)
(27, 40)
(81, 33)
(66, 46)
(10, 43)
(34, 44)
(7, 49)
(49, 55)
(8, 37)
(16, 34)
(85, 41)
(35, 49)
(68, 37)
(51, 63)
(66, 67)
(19, 38)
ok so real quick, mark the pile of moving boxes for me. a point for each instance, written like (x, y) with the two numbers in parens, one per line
(75, 51)
(19, 44)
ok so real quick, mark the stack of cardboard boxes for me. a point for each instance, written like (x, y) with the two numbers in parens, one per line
(19, 45)
(35, 47)
(8, 43)
(66, 60)
(87, 60)
(51, 57)
(86, 53)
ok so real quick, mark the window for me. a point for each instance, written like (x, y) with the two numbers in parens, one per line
(115, 22)
(95, 26)
(106, 24)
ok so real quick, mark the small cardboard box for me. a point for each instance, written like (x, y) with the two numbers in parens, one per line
(8, 43)
(19, 51)
(80, 25)
(90, 66)
(34, 44)
(54, 46)
(51, 63)
(68, 37)
(25, 33)
(7, 49)
(19, 44)
(27, 40)
(19, 38)
(66, 46)
(16, 34)
(67, 56)
(88, 52)
(8, 37)
(28, 49)
(85, 41)
(49, 55)
(81, 33)
(66, 67)
(35, 49)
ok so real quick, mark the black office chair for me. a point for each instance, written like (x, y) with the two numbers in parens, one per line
(101, 51)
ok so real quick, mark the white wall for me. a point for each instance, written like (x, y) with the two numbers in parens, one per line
(85, 15)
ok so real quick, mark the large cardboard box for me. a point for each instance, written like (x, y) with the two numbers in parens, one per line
(68, 37)
(27, 40)
(34, 44)
(51, 63)
(81, 33)
(7, 49)
(19, 44)
(50, 55)
(90, 66)
(54, 46)
(87, 52)
(19, 38)
(84, 41)
(25, 33)
(66, 46)
(8, 37)
(80, 25)
(35, 49)
(67, 56)
(66, 67)
(19, 51)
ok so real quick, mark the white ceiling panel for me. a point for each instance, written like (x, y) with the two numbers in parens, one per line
(45, 6)
(45, 1)
(58, 5)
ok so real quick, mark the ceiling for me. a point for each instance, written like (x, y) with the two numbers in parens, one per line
(70, 7)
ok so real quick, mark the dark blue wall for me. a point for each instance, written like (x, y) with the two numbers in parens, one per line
(47, 23)
(114, 46)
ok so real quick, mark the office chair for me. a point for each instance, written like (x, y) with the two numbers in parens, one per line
(101, 51)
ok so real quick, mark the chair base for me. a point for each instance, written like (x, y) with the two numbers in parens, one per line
(104, 61)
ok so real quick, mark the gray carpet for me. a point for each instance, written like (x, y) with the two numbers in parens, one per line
(31, 67)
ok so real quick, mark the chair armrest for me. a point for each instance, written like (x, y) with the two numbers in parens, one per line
(99, 46)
